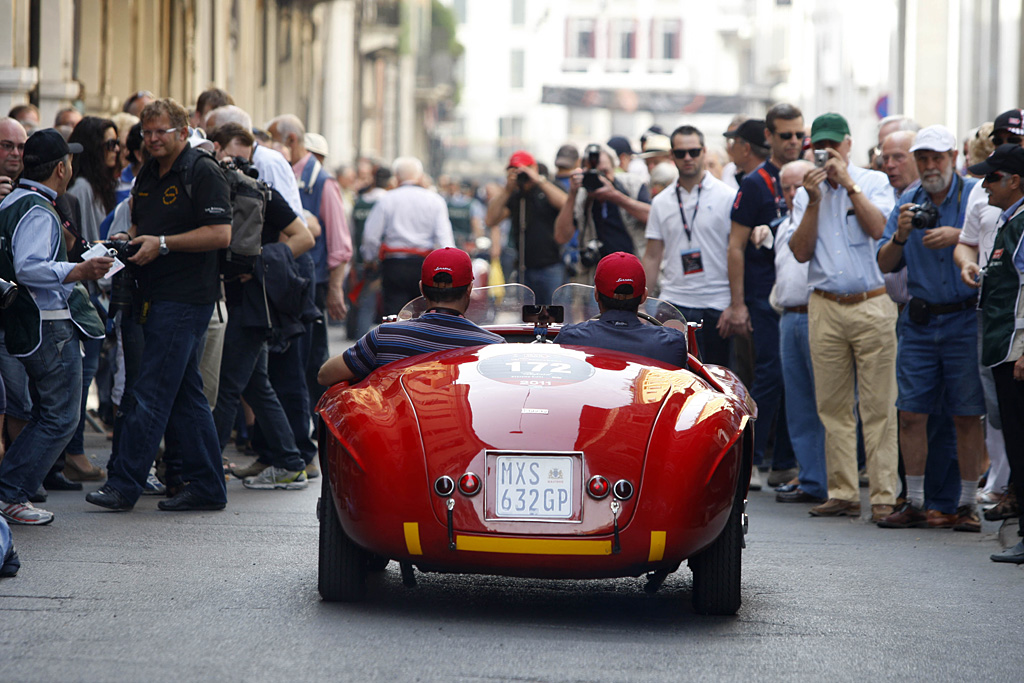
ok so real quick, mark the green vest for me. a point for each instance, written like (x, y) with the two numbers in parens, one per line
(359, 213)
(460, 216)
(1001, 294)
(22, 325)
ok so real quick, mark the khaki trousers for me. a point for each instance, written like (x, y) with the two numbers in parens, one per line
(853, 349)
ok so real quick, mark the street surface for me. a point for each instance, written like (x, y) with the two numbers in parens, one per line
(231, 596)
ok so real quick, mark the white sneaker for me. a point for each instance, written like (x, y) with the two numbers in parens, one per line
(277, 478)
(756, 483)
(24, 513)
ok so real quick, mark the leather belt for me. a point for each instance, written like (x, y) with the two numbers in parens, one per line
(796, 309)
(847, 299)
(939, 309)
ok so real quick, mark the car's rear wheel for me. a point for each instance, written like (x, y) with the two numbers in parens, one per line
(342, 570)
(716, 570)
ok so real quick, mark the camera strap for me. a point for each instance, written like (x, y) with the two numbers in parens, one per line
(682, 214)
(64, 221)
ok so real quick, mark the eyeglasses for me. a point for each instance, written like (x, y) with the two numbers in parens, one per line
(154, 133)
(9, 146)
(681, 153)
(789, 136)
(1001, 139)
(111, 145)
(994, 177)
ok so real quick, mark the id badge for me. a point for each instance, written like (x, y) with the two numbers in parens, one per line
(692, 262)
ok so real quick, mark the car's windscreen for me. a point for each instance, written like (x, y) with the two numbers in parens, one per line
(579, 305)
(500, 305)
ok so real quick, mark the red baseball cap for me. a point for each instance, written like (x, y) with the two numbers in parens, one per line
(521, 158)
(450, 260)
(618, 270)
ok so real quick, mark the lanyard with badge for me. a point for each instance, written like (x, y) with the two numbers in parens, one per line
(691, 259)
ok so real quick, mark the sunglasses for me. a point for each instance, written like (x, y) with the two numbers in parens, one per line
(681, 153)
(789, 136)
(994, 177)
(111, 145)
(1006, 139)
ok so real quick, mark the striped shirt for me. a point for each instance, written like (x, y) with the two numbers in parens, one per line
(428, 333)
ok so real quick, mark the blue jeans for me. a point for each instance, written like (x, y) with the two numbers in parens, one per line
(767, 389)
(288, 378)
(714, 349)
(544, 281)
(18, 403)
(90, 361)
(167, 395)
(806, 432)
(243, 374)
(55, 374)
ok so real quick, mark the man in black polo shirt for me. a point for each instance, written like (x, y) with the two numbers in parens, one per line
(181, 217)
(760, 202)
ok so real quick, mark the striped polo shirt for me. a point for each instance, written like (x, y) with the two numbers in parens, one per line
(428, 333)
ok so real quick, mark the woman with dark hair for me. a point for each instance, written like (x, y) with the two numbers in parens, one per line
(95, 172)
(93, 182)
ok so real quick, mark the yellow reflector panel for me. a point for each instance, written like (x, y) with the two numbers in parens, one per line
(412, 538)
(657, 546)
(532, 546)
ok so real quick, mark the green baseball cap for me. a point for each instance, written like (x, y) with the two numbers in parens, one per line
(829, 127)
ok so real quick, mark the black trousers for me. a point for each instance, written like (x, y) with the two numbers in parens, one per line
(400, 280)
(1010, 393)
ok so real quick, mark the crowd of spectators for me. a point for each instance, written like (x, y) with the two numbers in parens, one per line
(846, 297)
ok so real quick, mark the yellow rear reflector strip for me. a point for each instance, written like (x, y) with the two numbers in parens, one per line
(657, 546)
(412, 538)
(532, 546)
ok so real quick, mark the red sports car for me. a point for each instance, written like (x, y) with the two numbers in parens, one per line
(538, 460)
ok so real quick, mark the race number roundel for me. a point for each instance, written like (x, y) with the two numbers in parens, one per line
(535, 369)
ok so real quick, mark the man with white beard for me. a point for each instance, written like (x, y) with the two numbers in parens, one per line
(937, 338)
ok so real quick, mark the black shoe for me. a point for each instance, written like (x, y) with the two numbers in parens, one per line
(56, 481)
(187, 500)
(11, 564)
(110, 498)
(797, 495)
(39, 496)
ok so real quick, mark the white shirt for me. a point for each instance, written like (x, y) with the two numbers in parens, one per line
(709, 235)
(980, 220)
(408, 217)
(277, 172)
(791, 288)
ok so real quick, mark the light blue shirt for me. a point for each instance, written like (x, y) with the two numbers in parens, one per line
(791, 287)
(844, 257)
(36, 242)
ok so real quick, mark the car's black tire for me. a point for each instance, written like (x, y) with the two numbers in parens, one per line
(342, 567)
(716, 570)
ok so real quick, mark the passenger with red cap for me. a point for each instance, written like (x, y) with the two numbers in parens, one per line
(620, 286)
(532, 202)
(446, 280)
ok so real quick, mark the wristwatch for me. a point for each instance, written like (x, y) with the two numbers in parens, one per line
(854, 190)
(164, 251)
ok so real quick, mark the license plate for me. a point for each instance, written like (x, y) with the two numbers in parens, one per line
(528, 486)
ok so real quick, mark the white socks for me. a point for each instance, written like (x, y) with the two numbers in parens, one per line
(968, 492)
(915, 491)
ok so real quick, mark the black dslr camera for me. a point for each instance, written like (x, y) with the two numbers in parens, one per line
(924, 215)
(122, 285)
(591, 176)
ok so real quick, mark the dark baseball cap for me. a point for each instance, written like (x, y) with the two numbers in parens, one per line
(621, 145)
(1012, 120)
(751, 130)
(47, 145)
(1008, 158)
(620, 276)
(567, 157)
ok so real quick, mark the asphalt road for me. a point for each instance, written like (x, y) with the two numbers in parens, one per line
(231, 596)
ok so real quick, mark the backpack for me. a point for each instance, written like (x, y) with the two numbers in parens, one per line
(249, 198)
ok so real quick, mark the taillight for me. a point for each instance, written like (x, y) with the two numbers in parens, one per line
(597, 487)
(623, 489)
(469, 484)
(443, 486)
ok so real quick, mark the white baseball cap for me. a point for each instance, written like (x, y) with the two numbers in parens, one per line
(935, 139)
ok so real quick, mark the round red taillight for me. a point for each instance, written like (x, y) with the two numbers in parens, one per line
(597, 487)
(469, 484)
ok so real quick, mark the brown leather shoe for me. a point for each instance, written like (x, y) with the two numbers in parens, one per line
(967, 519)
(940, 520)
(880, 511)
(906, 516)
(833, 507)
(1005, 508)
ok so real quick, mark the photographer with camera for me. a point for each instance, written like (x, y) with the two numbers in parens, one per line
(532, 202)
(938, 344)
(609, 210)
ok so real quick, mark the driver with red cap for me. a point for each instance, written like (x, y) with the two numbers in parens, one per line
(446, 281)
(620, 286)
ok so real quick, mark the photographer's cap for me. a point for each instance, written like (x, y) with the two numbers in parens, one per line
(448, 261)
(1012, 120)
(751, 130)
(620, 276)
(1008, 158)
(45, 146)
(655, 145)
(317, 144)
(520, 159)
(621, 145)
(567, 157)
(934, 139)
(829, 126)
